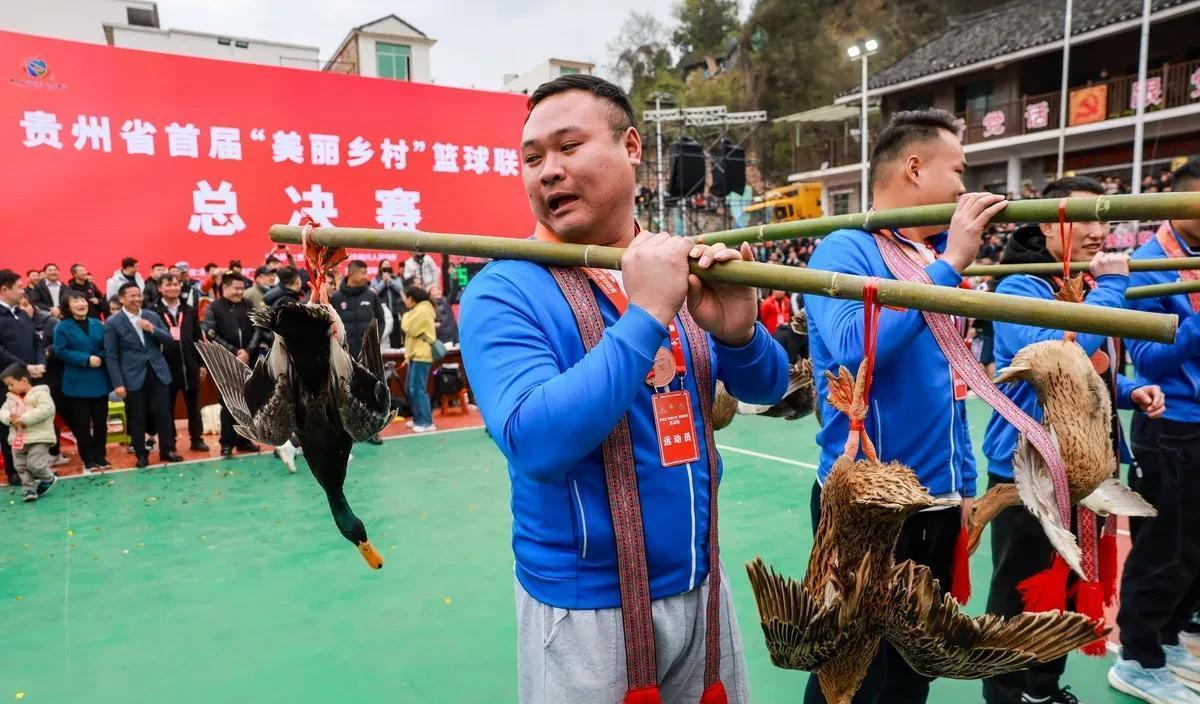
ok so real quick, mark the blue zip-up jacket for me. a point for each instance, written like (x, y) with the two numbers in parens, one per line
(549, 407)
(1000, 438)
(1173, 366)
(913, 416)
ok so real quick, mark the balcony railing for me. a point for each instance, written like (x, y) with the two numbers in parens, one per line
(1167, 87)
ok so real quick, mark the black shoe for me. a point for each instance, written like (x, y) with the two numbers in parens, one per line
(45, 486)
(226, 451)
(247, 447)
(375, 440)
(1064, 696)
(170, 457)
(199, 446)
(142, 462)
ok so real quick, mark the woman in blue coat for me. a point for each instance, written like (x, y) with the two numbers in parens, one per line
(79, 345)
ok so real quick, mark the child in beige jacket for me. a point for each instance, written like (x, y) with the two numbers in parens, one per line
(28, 411)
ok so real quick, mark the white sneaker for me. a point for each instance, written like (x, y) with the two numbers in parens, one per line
(424, 428)
(58, 461)
(1191, 641)
(409, 424)
(1182, 664)
(1156, 686)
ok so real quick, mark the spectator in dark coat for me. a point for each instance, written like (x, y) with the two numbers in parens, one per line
(227, 323)
(79, 345)
(18, 344)
(48, 294)
(182, 357)
(81, 282)
(357, 305)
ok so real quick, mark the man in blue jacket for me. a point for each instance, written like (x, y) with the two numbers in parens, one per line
(1160, 587)
(1019, 545)
(133, 341)
(917, 410)
(569, 419)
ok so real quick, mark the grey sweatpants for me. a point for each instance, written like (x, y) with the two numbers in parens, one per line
(32, 464)
(577, 656)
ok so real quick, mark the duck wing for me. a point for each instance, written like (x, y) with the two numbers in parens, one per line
(1036, 489)
(360, 394)
(804, 631)
(260, 401)
(938, 640)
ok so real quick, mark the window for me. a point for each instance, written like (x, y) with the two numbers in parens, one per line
(567, 70)
(841, 202)
(140, 17)
(393, 61)
(916, 101)
(973, 97)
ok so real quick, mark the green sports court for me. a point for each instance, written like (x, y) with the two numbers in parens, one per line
(225, 581)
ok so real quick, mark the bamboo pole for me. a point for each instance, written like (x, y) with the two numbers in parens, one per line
(1160, 290)
(940, 299)
(1177, 264)
(1146, 206)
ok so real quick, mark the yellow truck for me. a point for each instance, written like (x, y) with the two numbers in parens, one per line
(799, 201)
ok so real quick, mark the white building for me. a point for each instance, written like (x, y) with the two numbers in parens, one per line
(134, 24)
(387, 47)
(546, 71)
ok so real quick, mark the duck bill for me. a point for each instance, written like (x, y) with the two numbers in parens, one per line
(370, 554)
(974, 535)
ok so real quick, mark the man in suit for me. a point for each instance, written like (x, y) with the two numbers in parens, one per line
(227, 323)
(181, 354)
(47, 295)
(133, 340)
(18, 344)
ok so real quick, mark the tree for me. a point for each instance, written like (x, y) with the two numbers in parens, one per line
(639, 50)
(704, 26)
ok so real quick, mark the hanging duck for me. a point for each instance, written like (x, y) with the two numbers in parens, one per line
(855, 595)
(1078, 415)
(798, 401)
(309, 386)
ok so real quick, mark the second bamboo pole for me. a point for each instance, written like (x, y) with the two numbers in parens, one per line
(939, 299)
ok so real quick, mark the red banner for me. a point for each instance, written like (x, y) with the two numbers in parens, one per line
(112, 152)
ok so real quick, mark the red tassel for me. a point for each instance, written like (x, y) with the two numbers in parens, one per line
(1089, 601)
(644, 695)
(960, 583)
(1108, 568)
(715, 695)
(1046, 590)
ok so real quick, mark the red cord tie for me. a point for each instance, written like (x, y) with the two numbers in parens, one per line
(871, 311)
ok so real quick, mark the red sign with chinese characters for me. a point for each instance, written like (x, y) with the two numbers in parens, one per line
(112, 152)
(677, 441)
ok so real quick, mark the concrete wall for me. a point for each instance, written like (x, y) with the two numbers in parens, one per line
(205, 45)
(76, 20)
(546, 71)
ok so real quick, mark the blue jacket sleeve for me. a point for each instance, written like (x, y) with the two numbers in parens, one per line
(841, 321)
(1156, 360)
(545, 420)
(1109, 293)
(112, 356)
(64, 351)
(755, 373)
(1125, 389)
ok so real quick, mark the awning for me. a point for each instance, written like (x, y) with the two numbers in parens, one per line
(828, 113)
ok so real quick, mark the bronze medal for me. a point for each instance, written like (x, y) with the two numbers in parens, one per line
(663, 370)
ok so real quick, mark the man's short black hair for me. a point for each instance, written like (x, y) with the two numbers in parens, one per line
(128, 262)
(155, 265)
(1187, 173)
(621, 116)
(907, 128)
(47, 265)
(16, 370)
(8, 278)
(1065, 186)
(125, 287)
(356, 264)
(287, 275)
(262, 271)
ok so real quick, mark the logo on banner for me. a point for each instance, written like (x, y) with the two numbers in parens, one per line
(35, 73)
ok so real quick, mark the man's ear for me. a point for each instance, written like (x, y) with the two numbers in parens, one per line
(912, 168)
(633, 146)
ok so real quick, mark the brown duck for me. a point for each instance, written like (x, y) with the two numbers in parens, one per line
(798, 401)
(1078, 415)
(855, 595)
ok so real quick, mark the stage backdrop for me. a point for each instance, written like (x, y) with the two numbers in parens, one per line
(110, 152)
